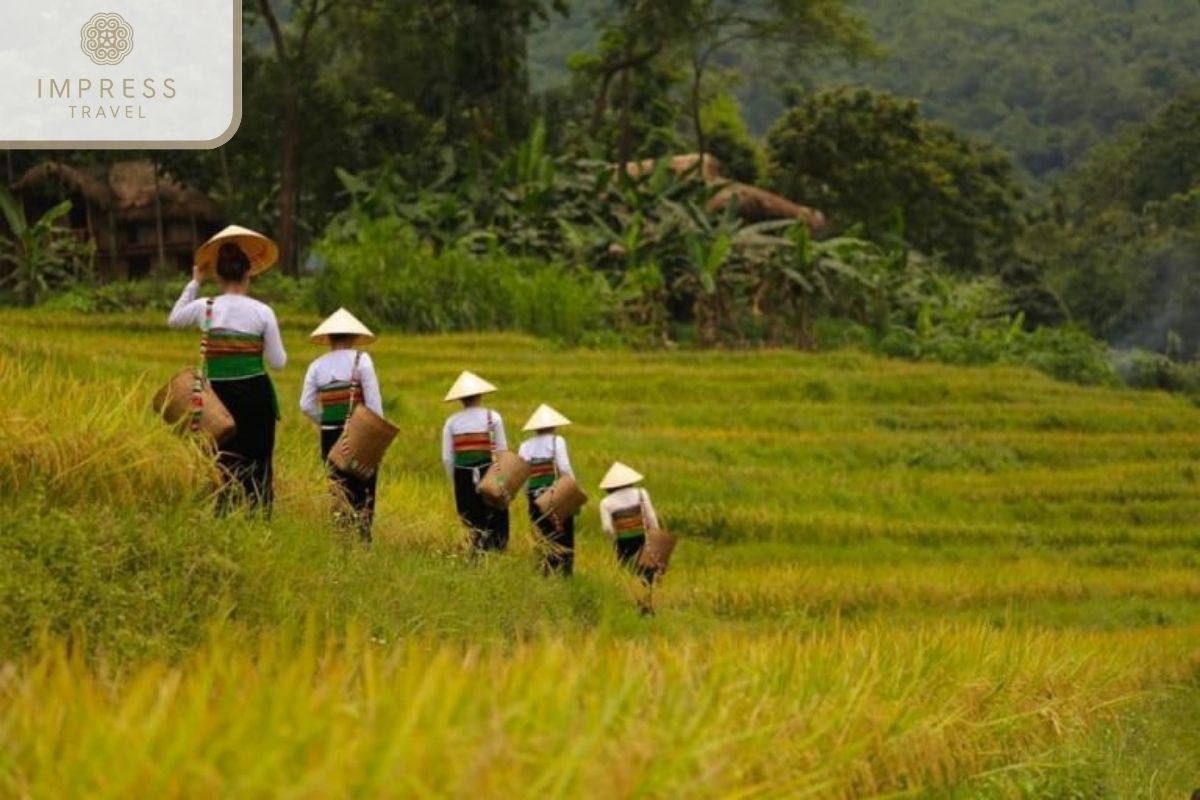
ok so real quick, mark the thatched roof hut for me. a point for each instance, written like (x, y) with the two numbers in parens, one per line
(127, 188)
(133, 182)
(753, 203)
(135, 215)
(710, 169)
(759, 205)
(41, 176)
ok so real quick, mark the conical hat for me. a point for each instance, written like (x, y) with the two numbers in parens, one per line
(342, 323)
(619, 475)
(468, 385)
(262, 252)
(545, 417)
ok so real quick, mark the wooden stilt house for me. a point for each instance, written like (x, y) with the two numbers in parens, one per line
(140, 220)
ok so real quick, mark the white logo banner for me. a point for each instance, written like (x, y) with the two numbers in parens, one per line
(120, 73)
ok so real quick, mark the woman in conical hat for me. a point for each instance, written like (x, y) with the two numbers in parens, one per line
(469, 438)
(626, 514)
(546, 453)
(334, 381)
(242, 334)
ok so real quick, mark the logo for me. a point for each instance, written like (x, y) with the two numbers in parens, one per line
(78, 78)
(106, 38)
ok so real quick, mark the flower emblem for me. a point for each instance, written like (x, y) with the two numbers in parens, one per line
(106, 38)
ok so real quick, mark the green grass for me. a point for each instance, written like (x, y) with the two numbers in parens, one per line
(894, 579)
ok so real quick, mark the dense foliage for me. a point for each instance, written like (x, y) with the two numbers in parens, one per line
(869, 158)
(38, 258)
(1045, 79)
(391, 278)
(1120, 236)
(431, 134)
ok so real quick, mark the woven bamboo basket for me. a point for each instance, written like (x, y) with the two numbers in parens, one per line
(562, 500)
(174, 402)
(503, 479)
(360, 449)
(656, 553)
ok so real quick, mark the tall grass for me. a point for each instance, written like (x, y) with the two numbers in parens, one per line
(851, 714)
(893, 578)
(75, 440)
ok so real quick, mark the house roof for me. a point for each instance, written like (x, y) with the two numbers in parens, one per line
(754, 203)
(125, 187)
(759, 205)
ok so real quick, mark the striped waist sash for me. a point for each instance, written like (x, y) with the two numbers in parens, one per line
(628, 522)
(335, 402)
(233, 355)
(472, 449)
(541, 474)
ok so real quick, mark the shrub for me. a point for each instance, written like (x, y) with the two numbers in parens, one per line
(382, 270)
(1067, 353)
(1142, 369)
(159, 294)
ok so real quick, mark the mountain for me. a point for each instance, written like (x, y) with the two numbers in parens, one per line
(1045, 79)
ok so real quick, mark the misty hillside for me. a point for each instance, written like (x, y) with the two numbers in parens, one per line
(1045, 79)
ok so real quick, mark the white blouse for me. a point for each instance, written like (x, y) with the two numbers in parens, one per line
(232, 312)
(627, 497)
(337, 365)
(469, 420)
(545, 446)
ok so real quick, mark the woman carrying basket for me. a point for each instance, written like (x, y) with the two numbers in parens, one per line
(470, 438)
(334, 383)
(627, 515)
(240, 334)
(546, 453)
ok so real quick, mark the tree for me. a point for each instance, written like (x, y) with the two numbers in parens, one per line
(688, 39)
(1120, 235)
(865, 157)
(292, 53)
(729, 140)
(388, 81)
(477, 81)
(795, 31)
(635, 46)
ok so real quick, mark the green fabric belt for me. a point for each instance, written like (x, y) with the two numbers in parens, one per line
(224, 368)
(472, 458)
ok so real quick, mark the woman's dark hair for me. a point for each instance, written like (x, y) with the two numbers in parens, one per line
(232, 263)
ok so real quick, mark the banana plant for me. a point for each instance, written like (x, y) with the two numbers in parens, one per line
(708, 256)
(36, 257)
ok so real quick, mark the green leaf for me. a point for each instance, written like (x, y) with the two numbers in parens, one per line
(352, 183)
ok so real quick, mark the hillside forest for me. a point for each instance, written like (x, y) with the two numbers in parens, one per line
(970, 182)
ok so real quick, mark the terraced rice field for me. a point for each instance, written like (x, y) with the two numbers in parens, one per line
(894, 579)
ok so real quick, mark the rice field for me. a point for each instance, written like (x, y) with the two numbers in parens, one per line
(894, 580)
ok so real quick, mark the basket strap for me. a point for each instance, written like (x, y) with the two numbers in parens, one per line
(344, 440)
(202, 371)
(355, 384)
(558, 523)
(646, 527)
(491, 434)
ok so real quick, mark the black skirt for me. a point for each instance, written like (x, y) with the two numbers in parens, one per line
(246, 459)
(488, 526)
(557, 543)
(359, 493)
(628, 550)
